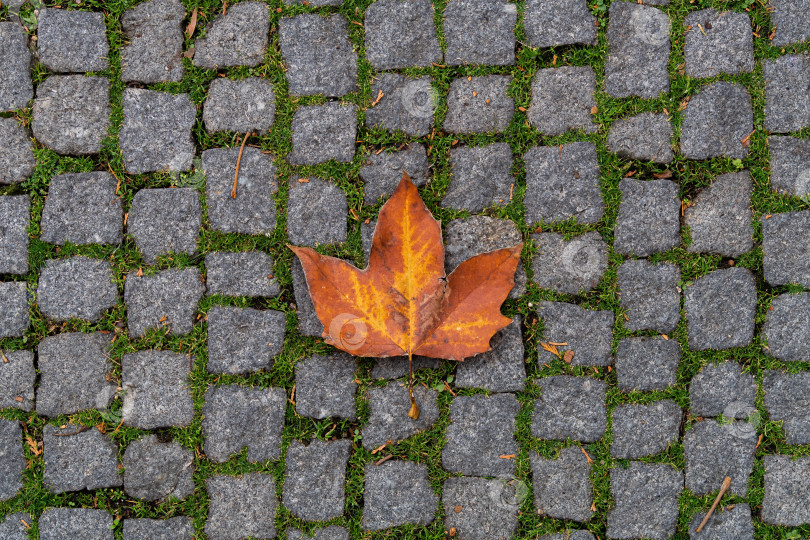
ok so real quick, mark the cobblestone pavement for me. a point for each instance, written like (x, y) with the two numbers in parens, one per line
(161, 368)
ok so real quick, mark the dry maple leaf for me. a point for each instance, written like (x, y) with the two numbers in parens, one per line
(403, 303)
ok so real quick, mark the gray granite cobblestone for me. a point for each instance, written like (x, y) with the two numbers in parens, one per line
(315, 477)
(78, 458)
(17, 159)
(15, 218)
(83, 208)
(17, 376)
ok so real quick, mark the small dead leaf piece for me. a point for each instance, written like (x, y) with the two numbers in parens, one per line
(192, 23)
(568, 357)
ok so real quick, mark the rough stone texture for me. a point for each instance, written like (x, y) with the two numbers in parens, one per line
(243, 340)
(649, 217)
(73, 369)
(732, 523)
(562, 488)
(325, 387)
(645, 430)
(243, 106)
(381, 173)
(562, 99)
(165, 221)
(481, 429)
(395, 367)
(562, 182)
(713, 451)
(238, 38)
(395, 493)
(569, 266)
(787, 486)
(387, 420)
(235, 417)
(718, 42)
(723, 389)
(247, 273)
(720, 218)
(166, 299)
(500, 369)
(646, 501)
(787, 327)
(480, 32)
(480, 509)
(83, 208)
(479, 105)
(787, 93)
(16, 88)
(85, 523)
(78, 287)
(155, 33)
(77, 460)
(17, 377)
(17, 159)
(12, 459)
(400, 34)
(156, 389)
(650, 295)
(72, 41)
(784, 243)
(323, 132)
(15, 216)
(716, 121)
(156, 133)
(315, 477)
(318, 55)
(790, 165)
(570, 407)
(569, 535)
(317, 212)
(480, 177)
(12, 528)
(241, 507)
(14, 315)
(549, 23)
(786, 399)
(791, 19)
(155, 471)
(711, 324)
(588, 333)
(308, 323)
(71, 113)
(177, 528)
(406, 104)
(333, 532)
(253, 211)
(647, 363)
(644, 137)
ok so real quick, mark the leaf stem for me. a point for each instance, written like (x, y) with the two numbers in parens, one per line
(414, 412)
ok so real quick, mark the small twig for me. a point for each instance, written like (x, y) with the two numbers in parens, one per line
(723, 489)
(238, 163)
(383, 460)
(83, 428)
(5, 360)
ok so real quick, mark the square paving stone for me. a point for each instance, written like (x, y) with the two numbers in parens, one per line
(17, 377)
(238, 38)
(79, 457)
(176, 528)
(83, 208)
(716, 121)
(481, 430)
(401, 34)
(315, 478)
(14, 313)
(333, 532)
(165, 221)
(549, 23)
(784, 243)
(501, 369)
(12, 526)
(723, 389)
(649, 217)
(156, 132)
(16, 88)
(479, 177)
(247, 273)
(562, 100)
(85, 523)
(15, 216)
(647, 363)
(711, 324)
(166, 299)
(71, 113)
(382, 172)
(480, 509)
(732, 523)
(787, 327)
(78, 287)
(318, 55)
(17, 159)
(719, 221)
(787, 488)
(243, 106)
(317, 212)
(645, 430)
(72, 41)
(396, 493)
(569, 266)
(570, 407)
(406, 104)
(645, 137)
(155, 471)
(562, 182)
(155, 50)
(323, 132)
(790, 165)
(253, 211)
(588, 333)
(790, 20)
(12, 459)
(480, 32)
(156, 389)
(479, 105)
(235, 417)
(73, 369)
(241, 507)
(308, 322)
(325, 386)
(645, 501)
(396, 367)
(562, 488)
(243, 340)
(787, 93)
(650, 295)
(713, 451)
(718, 42)
(388, 419)
(786, 399)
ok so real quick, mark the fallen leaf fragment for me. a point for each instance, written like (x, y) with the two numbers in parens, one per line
(568, 356)
(192, 24)
(379, 97)
(593, 507)
(587, 457)
(550, 348)
(506, 456)
(666, 174)
(379, 449)
(594, 109)
(457, 508)
(33, 445)
(5, 360)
